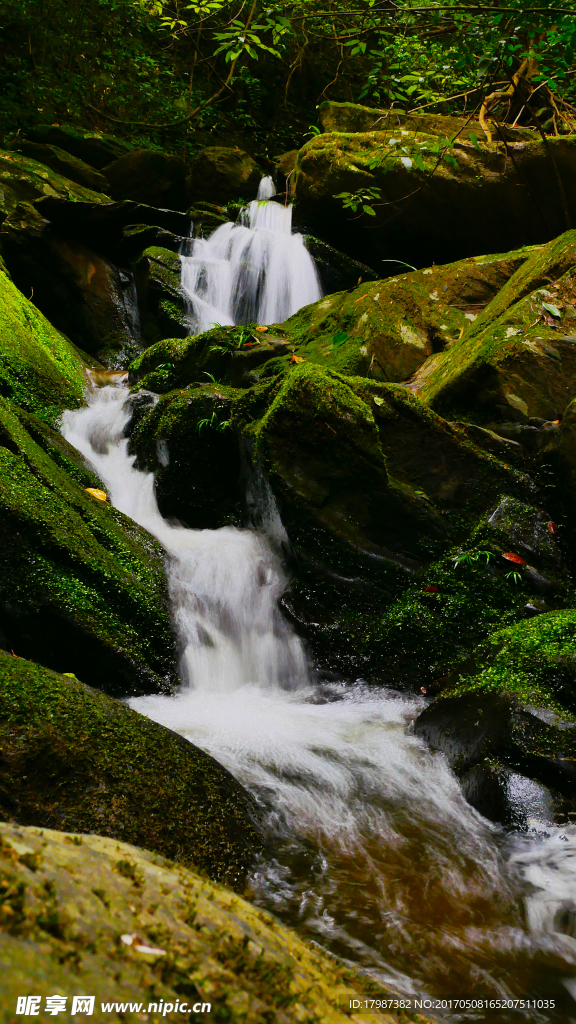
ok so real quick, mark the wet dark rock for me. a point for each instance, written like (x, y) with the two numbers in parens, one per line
(336, 270)
(206, 217)
(103, 223)
(161, 298)
(523, 529)
(76, 760)
(186, 439)
(95, 148)
(506, 797)
(223, 173)
(66, 164)
(148, 176)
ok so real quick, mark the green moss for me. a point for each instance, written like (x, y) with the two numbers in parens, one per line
(77, 760)
(83, 587)
(39, 368)
(534, 660)
(29, 180)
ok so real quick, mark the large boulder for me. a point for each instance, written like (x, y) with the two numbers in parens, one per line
(79, 761)
(29, 180)
(93, 147)
(39, 368)
(354, 117)
(220, 174)
(517, 360)
(139, 927)
(64, 163)
(388, 329)
(148, 176)
(82, 588)
(439, 198)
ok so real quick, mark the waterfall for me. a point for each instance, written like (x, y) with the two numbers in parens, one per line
(376, 853)
(254, 271)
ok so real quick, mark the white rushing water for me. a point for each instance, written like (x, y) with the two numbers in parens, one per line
(376, 853)
(254, 271)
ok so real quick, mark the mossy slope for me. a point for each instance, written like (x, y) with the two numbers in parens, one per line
(77, 760)
(82, 587)
(517, 359)
(78, 895)
(39, 368)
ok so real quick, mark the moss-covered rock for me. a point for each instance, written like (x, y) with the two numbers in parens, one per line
(64, 163)
(187, 441)
(237, 356)
(148, 176)
(354, 117)
(518, 359)
(82, 587)
(95, 148)
(220, 174)
(30, 180)
(441, 197)
(515, 704)
(336, 270)
(161, 297)
(70, 899)
(79, 761)
(40, 369)
(387, 329)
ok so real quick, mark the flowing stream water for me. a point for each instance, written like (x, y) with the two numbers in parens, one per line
(373, 850)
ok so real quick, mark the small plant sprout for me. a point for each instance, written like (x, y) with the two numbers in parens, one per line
(514, 576)
(470, 557)
(212, 423)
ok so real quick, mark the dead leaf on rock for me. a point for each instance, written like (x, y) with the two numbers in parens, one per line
(297, 359)
(101, 495)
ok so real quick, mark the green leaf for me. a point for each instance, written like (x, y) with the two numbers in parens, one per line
(368, 209)
(552, 309)
(474, 140)
(378, 401)
(339, 339)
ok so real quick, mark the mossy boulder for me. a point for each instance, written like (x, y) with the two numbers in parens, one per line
(148, 176)
(516, 704)
(64, 163)
(335, 269)
(354, 117)
(187, 441)
(40, 369)
(30, 180)
(220, 174)
(82, 587)
(388, 329)
(70, 899)
(237, 356)
(76, 760)
(206, 217)
(95, 148)
(518, 359)
(440, 198)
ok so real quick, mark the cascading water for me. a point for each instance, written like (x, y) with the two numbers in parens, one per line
(254, 271)
(377, 855)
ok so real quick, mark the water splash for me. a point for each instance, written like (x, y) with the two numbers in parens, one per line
(254, 271)
(377, 854)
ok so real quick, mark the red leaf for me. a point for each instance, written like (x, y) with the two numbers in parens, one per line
(514, 558)
(431, 590)
(552, 527)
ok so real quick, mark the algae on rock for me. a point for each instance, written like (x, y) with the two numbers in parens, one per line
(77, 760)
(77, 895)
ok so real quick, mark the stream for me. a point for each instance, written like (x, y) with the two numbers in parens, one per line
(375, 854)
